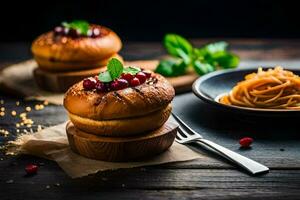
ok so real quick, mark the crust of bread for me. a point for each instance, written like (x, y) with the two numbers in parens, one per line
(153, 95)
(82, 49)
(122, 127)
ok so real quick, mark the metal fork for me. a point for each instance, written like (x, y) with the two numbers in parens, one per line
(188, 135)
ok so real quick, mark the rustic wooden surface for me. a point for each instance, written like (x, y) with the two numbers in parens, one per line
(276, 145)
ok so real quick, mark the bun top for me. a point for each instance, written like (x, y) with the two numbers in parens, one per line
(155, 94)
(65, 48)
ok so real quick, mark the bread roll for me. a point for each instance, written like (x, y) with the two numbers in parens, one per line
(155, 94)
(125, 112)
(83, 52)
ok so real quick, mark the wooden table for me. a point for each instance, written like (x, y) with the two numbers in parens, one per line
(209, 178)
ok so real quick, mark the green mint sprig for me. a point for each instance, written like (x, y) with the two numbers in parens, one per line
(203, 60)
(131, 70)
(115, 69)
(80, 25)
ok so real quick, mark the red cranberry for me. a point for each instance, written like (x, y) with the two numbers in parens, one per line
(95, 32)
(134, 82)
(89, 83)
(127, 77)
(58, 30)
(107, 87)
(147, 73)
(66, 31)
(115, 85)
(123, 83)
(246, 142)
(141, 76)
(74, 33)
(89, 33)
(31, 169)
(100, 86)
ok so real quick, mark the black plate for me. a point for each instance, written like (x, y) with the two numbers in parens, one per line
(211, 86)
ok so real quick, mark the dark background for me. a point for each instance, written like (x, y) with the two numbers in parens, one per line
(149, 20)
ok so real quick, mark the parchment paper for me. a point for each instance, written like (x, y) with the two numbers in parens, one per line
(52, 143)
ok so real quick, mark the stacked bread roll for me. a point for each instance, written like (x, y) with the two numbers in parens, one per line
(66, 56)
(121, 125)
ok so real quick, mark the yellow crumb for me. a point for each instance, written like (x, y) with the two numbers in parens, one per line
(28, 109)
(28, 121)
(17, 103)
(23, 115)
(37, 107)
(4, 133)
(13, 113)
(2, 109)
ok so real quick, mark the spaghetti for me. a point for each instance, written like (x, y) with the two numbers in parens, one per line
(271, 89)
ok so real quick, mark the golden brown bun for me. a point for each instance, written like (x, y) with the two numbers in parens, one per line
(59, 66)
(155, 94)
(122, 127)
(81, 49)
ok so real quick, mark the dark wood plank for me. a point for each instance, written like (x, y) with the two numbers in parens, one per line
(148, 183)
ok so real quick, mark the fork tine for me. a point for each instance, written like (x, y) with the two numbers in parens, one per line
(179, 134)
(182, 132)
(179, 141)
(184, 125)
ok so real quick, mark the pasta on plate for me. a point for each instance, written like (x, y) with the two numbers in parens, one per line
(271, 89)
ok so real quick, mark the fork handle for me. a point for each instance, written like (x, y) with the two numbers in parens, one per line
(250, 165)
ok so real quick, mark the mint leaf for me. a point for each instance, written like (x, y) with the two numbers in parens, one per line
(204, 60)
(115, 68)
(114, 71)
(80, 25)
(171, 67)
(105, 77)
(228, 60)
(186, 58)
(175, 42)
(131, 70)
(216, 47)
(165, 68)
(203, 68)
(179, 68)
(200, 52)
